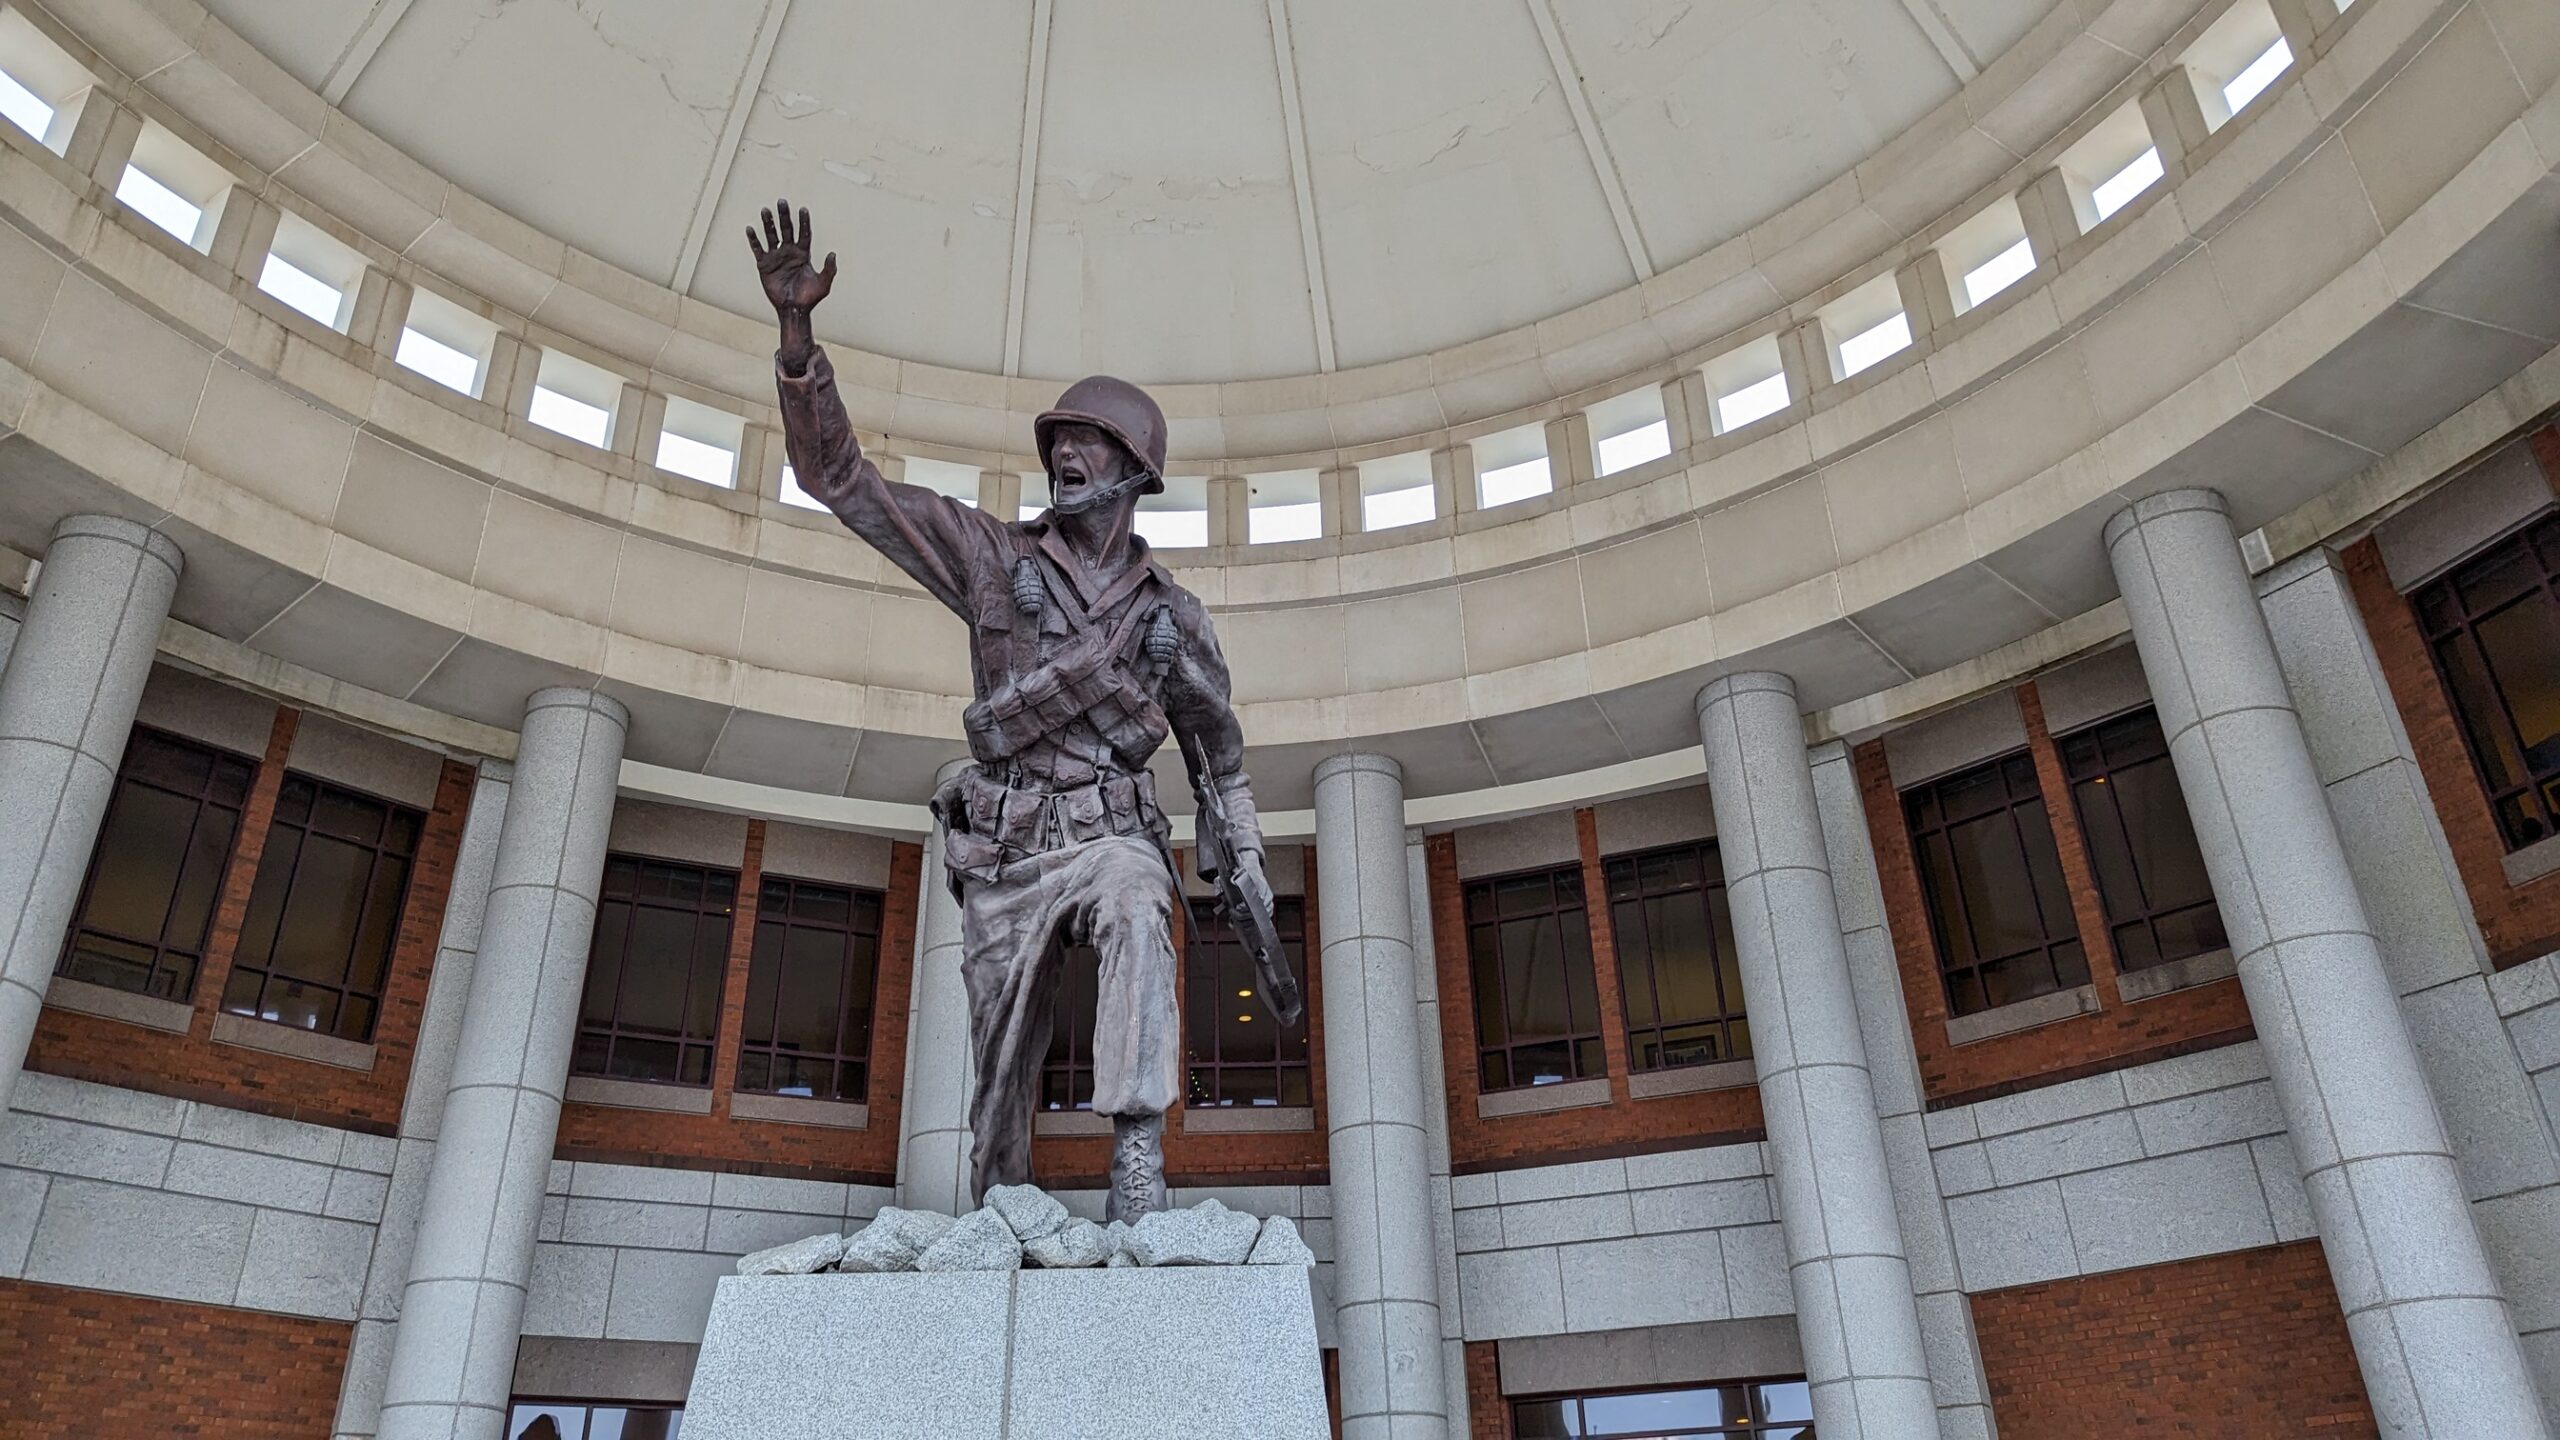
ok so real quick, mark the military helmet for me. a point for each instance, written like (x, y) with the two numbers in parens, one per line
(1118, 409)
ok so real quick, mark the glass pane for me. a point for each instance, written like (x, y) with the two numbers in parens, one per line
(2523, 645)
(604, 963)
(1544, 1420)
(1946, 896)
(1635, 960)
(2191, 932)
(168, 761)
(1998, 894)
(2496, 578)
(1533, 976)
(1542, 1064)
(2020, 977)
(2044, 865)
(822, 904)
(140, 854)
(2102, 830)
(304, 1007)
(320, 916)
(755, 1071)
(200, 881)
(548, 1422)
(1582, 994)
(764, 977)
(658, 965)
(267, 897)
(812, 987)
(2163, 837)
(588, 1058)
(1663, 1410)
(710, 969)
(1294, 1086)
(293, 801)
(240, 992)
(2475, 702)
(350, 816)
(644, 1059)
(118, 964)
(381, 930)
(1685, 964)
(1484, 956)
(1496, 1071)
(1790, 1401)
(355, 1019)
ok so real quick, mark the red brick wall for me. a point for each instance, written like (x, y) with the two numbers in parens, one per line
(2519, 922)
(193, 1066)
(722, 1140)
(2247, 1344)
(2116, 1036)
(1625, 1125)
(117, 1367)
(1488, 1418)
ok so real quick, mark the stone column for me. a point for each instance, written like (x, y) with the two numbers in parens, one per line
(933, 1144)
(453, 1359)
(2431, 945)
(1385, 1276)
(2431, 1327)
(1893, 1069)
(422, 1112)
(1435, 1110)
(67, 700)
(1854, 1306)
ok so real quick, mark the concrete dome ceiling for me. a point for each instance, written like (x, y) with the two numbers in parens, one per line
(1180, 190)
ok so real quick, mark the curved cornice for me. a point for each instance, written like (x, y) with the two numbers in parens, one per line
(2335, 274)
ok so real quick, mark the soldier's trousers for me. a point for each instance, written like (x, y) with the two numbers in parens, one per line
(1114, 894)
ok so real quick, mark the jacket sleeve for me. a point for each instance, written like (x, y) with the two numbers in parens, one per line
(1197, 702)
(936, 540)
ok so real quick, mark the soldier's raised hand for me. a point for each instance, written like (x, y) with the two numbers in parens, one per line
(791, 281)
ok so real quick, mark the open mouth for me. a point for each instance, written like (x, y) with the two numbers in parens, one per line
(1071, 477)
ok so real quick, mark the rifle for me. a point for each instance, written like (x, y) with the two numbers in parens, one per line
(1244, 896)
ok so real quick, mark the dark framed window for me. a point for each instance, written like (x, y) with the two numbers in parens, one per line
(1676, 964)
(1066, 1076)
(574, 1420)
(324, 915)
(652, 1004)
(156, 874)
(1235, 1052)
(2159, 901)
(1529, 962)
(2493, 625)
(811, 980)
(1768, 1410)
(1997, 905)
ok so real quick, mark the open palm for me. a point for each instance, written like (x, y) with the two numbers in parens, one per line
(791, 282)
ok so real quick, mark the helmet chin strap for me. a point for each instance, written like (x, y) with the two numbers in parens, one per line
(1102, 495)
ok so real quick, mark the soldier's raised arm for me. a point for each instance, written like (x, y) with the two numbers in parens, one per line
(935, 539)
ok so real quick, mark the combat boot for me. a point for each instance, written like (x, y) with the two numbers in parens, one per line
(1137, 1167)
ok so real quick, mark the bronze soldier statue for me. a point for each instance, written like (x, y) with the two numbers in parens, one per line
(1084, 654)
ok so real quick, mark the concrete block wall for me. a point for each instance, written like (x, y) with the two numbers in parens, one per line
(2173, 1160)
(2528, 997)
(1662, 1239)
(629, 1252)
(117, 1190)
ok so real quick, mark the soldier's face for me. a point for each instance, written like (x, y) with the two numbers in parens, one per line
(1083, 461)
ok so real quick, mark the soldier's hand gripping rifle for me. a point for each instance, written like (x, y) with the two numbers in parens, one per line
(1244, 896)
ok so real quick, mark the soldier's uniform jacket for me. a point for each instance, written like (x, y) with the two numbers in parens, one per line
(1072, 695)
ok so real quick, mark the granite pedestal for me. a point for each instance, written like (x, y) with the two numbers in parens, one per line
(1205, 1353)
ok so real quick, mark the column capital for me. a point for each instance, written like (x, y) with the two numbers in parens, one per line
(2167, 502)
(153, 543)
(1726, 688)
(574, 697)
(1358, 762)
